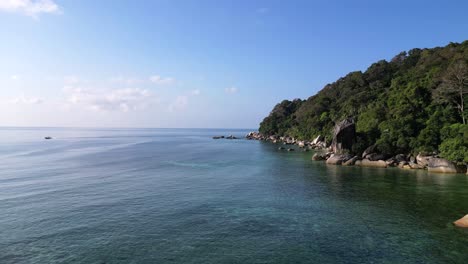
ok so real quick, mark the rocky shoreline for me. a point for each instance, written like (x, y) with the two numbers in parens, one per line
(337, 153)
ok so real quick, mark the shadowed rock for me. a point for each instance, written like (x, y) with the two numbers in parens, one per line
(344, 135)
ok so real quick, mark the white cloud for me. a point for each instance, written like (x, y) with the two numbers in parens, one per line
(27, 100)
(161, 80)
(30, 8)
(231, 90)
(123, 100)
(195, 92)
(179, 104)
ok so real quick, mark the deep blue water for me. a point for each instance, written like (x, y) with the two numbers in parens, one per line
(178, 196)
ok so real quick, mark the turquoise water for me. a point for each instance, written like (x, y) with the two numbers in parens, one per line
(177, 196)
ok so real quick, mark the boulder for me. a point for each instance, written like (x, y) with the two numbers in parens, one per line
(358, 163)
(301, 144)
(369, 150)
(441, 165)
(351, 161)
(406, 167)
(375, 156)
(402, 164)
(462, 222)
(316, 140)
(423, 160)
(391, 162)
(317, 156)
(280, 148)
(344, 135)
(290, 149)
(371, 163)
(415, 166)
(401, 157)
(337, 159)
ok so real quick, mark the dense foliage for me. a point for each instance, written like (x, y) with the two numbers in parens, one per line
(414, 103)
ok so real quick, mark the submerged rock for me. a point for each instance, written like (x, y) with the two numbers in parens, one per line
(462, 222)
(290, 149)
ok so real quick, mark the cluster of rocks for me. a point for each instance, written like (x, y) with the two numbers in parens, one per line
(432, 163)
(317, 143)
(228, 137)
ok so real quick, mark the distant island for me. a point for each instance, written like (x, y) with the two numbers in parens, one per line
(408, 112)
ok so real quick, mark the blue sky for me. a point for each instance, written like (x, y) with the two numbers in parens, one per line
(199, 63)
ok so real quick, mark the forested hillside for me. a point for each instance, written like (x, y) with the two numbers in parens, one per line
(413, 103)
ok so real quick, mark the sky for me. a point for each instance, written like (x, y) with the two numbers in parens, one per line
(196, 64)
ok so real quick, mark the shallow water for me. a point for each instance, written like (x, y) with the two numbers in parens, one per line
(178, 196)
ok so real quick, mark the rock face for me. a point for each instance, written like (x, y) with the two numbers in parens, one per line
(441, 165)
(462, 222)
(370, 163)
(344, 135)
(337, 159)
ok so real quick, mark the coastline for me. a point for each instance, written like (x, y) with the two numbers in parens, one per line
(332, 156)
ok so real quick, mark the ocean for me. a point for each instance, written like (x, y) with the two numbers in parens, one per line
(178, 196)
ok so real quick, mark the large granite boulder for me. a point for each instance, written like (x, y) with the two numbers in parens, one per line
(337, 159)
(441, 165)
(462, 222)
(344, 135)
